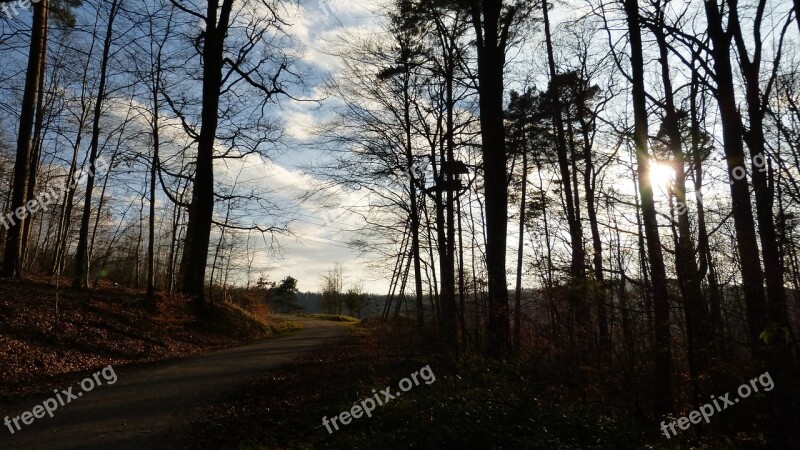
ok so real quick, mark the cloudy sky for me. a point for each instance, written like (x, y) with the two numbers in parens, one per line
(320, 232)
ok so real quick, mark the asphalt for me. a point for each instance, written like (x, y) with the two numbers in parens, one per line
(147, 407)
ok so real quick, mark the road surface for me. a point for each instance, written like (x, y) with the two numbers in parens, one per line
(147, 407)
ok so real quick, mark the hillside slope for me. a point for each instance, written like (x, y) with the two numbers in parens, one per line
(102, 327)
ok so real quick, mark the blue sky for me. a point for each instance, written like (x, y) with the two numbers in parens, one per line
(320, 232)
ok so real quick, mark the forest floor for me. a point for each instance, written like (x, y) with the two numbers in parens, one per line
(471, 404)
(106, 326)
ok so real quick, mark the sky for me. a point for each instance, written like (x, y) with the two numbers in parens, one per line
(319, 234)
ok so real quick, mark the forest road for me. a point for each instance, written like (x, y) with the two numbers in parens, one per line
(149, 406)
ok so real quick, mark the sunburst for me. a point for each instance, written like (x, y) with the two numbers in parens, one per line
(661, 174)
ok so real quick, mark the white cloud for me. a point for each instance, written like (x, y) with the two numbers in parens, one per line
(300, 125)
(320, 228)
(322, 26)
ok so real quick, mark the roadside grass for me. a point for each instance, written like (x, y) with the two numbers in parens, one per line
(330, 317)
(282, 327)
(228, 319)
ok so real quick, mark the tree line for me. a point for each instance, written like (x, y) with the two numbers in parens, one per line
(633, 166)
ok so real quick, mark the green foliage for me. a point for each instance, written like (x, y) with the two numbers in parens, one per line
(354, 300)
(330, 317)
(774, 333)
(284, 296)
(492, 405)
(61, 11)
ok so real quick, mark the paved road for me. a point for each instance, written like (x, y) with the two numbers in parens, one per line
(146, 407)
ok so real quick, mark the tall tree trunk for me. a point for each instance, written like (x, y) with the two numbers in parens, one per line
(448, 282)
(644, 267)
(154, 167)
(413, 206)
(696, 311)
(520, 248)
(434, 285)
(576, 294)
(80, 277)
(492, 36)
(797, 13)
(575, 233)
(38, 137)
(12, 260)
(752, 274)
(601, 297)
(446, 328)
(625, 316)
(706, 267)
(461, 284)
(548, 248)
(151, 233)
(779, 360)
(201, 209)
(474, 267)
(174, 243)
(68, 201)
(662, 367)
(138, 251)
(763, 185)
(217, 250)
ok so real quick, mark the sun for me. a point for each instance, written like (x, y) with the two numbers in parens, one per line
(661, 174)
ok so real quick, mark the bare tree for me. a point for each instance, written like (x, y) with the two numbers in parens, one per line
(493, 21)
(80, 277)
(662, 368)
(12, 260)
(218, 69)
